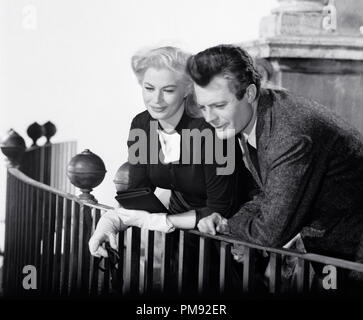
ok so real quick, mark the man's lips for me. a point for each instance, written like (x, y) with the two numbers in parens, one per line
(219, 127)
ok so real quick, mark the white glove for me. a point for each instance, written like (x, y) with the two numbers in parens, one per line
(146, 220)
(107, 229)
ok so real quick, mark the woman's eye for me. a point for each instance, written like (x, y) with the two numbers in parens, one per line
(169, 90)
(201, 107)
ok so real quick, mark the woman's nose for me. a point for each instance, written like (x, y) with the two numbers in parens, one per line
(157, 96)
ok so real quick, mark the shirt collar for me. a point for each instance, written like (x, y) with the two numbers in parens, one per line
(250, 132)
(251, 137)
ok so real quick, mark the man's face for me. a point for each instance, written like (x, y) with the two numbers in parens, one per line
(221, 109)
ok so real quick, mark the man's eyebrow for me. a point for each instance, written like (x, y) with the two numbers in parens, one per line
(216, 103)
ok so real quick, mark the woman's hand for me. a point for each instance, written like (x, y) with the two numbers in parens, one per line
(107, 229)
(146, 220)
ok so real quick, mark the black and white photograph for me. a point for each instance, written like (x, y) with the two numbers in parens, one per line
(181, 158)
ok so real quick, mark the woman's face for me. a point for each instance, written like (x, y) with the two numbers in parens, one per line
(163, 91)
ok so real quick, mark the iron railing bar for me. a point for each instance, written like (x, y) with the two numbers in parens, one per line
(204, 264)
(303, 276)
(275, 273)
(224, 265)
(67, 216)
(57, 245)
(248, 269)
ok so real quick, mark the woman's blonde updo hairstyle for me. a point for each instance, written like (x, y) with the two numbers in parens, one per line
(171, 58)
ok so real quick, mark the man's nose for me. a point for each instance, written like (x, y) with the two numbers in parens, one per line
(209, 115)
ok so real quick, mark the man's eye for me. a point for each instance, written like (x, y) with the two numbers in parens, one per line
(149, 88)
(220, 105)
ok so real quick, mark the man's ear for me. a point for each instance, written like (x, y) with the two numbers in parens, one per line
(251, 93)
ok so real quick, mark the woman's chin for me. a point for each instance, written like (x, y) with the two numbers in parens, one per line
(158, 115)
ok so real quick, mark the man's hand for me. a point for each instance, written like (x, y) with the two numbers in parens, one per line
(213, 223)
(107, 229)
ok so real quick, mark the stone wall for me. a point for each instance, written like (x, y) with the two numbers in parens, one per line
(315, 48)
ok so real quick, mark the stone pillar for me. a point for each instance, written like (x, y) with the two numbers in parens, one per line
(315, 48)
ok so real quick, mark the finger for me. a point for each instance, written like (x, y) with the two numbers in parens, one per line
(101, 252)
(222, 228)
(210, 227)
(207, 225)
(93, 244)
(202, 226)
(238, 258)
(113, 241)
(95, 247)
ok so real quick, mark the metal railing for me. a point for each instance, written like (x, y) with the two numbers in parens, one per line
(49, 228)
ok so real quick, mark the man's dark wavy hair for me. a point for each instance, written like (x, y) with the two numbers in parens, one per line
(231, 62)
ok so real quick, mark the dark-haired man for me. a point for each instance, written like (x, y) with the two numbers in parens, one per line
(307, 161)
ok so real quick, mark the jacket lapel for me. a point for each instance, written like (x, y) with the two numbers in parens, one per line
(263, 129)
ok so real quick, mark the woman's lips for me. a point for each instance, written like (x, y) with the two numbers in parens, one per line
(158, 109)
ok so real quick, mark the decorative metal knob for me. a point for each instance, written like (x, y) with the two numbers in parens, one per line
(86, 171)
(13, 147)
(49, 130)
(121, 179)
(35, 131)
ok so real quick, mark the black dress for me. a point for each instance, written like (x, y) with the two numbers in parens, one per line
(193, 185)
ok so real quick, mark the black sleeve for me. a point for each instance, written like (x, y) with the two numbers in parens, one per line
(138, 175)
(225, 192)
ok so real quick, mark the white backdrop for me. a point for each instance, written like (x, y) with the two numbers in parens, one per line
(68, 61)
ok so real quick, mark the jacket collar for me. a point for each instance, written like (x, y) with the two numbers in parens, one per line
(264, 118)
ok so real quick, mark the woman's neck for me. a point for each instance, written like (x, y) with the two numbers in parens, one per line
(169, 124)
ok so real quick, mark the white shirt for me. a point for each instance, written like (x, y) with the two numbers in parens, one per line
(170, 145)
(251, 139)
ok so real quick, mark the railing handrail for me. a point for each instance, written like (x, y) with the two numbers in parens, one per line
(345, 264)
(50, 144)
(312, 257)
(23, 177)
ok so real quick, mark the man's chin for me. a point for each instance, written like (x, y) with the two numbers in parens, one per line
(225, 134)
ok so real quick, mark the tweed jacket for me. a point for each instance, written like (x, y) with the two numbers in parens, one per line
(310, 176)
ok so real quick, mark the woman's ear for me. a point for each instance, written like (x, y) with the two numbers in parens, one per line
(251, 93)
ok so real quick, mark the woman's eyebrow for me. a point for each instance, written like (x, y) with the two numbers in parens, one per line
(167, 86)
